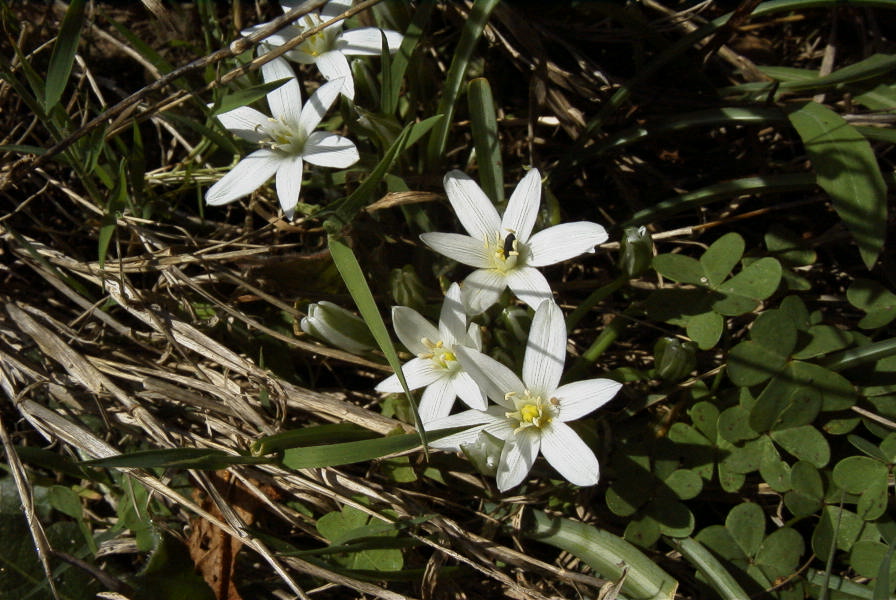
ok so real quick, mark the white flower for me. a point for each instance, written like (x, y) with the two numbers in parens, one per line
(333, 324)
(503, 249)
(287, 139)
(329, 48)
(436, 365)
(532, 413)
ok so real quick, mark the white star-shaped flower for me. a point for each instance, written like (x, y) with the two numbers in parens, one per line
(329, 48)
(532, 412)
(287, 139)
(436, 367)
(503, 249)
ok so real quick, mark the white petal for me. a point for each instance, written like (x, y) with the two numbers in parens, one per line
(245, 122)
(437, 400)
(482, 288)
(579, 398)
(418, 372)
(248, 175)
(562, 242)
(330, 150)
(455, 246)
(469, 391)
(411, 328)
(289, 184)
(275, 39)
(286, 100)
(529, 285)
(522, 209)
(317, 106)
(476, 420)
(367, 41)
(334, 8)
(495, 379)
(545, 349)
(516, 459)
(334, 66)
(473, 208)
(475, 336)
(453, 317)
(569, 455)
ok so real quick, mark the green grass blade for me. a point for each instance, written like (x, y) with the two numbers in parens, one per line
(485, 139)
(848, 171)
(707, 564)
(606, 553)
(402, 58)
(309, 436)
(357, 286)
(469, 36)
(64, 53)
(176, 458)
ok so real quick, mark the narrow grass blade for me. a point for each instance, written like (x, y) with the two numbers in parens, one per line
(176, 458)
(707, 563)
(402, 58)
(610, 556)
(848, 171)
(64, 53)
(357, 286)
(309, 436)
(472, 30)
(116, 203)
(485, 139)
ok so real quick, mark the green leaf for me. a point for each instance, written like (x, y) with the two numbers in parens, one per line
(721, 257)
(709, 566)
(310, 436)
(779, 554)
(485, 139)
(179, 458)
(775, 331)
(64, 53)
(246, 96)
(874, 299)
(684, 483)
(757, 281)
(350, 524)
(855, 473)
(837, 392)
(682, 269)
(673, 518)
(734, 425)
(847, 170)
(749, 363)
(746, 522)
(867, 557)
(873, 501)
(836, 526)
(473, 28)
(401, 59)
(805, 443)
(705, 329)
(824, 339)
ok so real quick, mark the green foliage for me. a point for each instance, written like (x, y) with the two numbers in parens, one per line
(348, 525)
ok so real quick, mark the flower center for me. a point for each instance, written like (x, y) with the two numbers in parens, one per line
(504, 251)
(531, 410)
(439, 354)
(285, 138)
(320, 42)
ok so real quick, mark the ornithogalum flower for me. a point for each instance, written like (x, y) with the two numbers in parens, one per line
(532, 412)
(333, 324)
(329, 48)
(436, 367)
(287, 140)
(503, 249)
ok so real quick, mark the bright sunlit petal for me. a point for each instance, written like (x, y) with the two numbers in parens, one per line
(247, 176)
(564, 241)
(493, 377)
(473, 208)
(367, 41)
(569, 455)
(522, 208)
(334, 66)
(411, 328)
(289, 184)
(517, 459)
(246, 122)
(455, 246)
(545, 349)
(529, 285)
(330, 150)
(482, 288)
(579, 398)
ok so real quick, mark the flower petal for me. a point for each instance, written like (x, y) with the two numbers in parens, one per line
(367, 41)
(247, 176)
(418, 372)
(317, 106)
(286, 100)
(330, 150)
(453, 317)
(579, 398)
(482, 288)
(289, 184)
(334, 66)
(477, 420)
(568, 454)
(455, 246)
(437, 400)
(545, 349)
(473, 208)
(517, 458)
(411, 328)
(522, 209)
(562, 242)
(495, 379)
(466, 388)
(334, 8)
(529, 285)
(245, 122)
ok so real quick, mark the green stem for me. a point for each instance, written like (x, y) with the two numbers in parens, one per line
(603, 341)
(861, 355)
(591, 301)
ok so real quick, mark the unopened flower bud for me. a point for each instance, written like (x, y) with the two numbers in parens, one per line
(484, 453)
(338, 327)
(407, 289)
(673, 359)
(635, 251)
